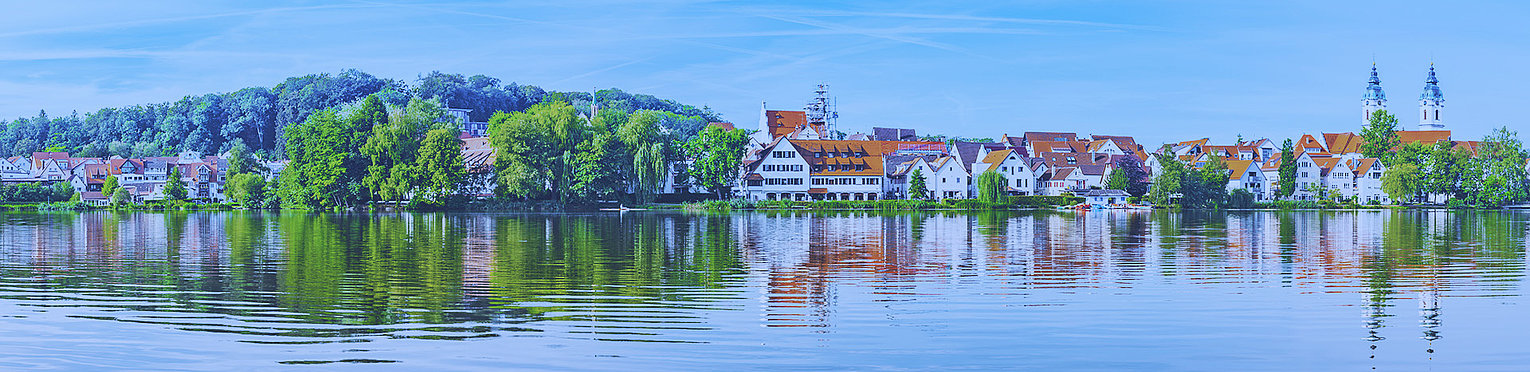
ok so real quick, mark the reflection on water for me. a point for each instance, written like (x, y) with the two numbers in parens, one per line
(1042, 289)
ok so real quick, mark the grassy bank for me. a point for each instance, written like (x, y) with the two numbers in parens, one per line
(150, 206)
(1013, 202)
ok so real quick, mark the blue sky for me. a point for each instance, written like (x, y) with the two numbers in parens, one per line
(1162, 71)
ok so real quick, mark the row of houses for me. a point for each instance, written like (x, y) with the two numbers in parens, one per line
(790, 157)
(143, 178)
(1327, 164)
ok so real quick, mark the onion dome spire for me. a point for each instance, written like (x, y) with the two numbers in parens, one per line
(1373, 88)
(1432, 87)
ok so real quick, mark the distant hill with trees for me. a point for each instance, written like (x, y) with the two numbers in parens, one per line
(258, 116)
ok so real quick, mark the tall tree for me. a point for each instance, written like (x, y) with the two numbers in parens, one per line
(1380, 136)
(992, 186)
(110, 186)
(535, 149)
(918, 187)
(1168, 184)
(1401, 182)
(717, 157)
(1133, 176)
(441, 162)
(1287, 171)
(175, 188)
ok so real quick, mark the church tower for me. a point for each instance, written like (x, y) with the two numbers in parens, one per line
(1375, 98)
(1431, 104)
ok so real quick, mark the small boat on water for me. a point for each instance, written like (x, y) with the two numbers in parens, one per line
(622, 209)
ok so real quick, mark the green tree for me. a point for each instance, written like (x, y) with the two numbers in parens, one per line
(918, 186)
(1241, 199)
(1380, 136)
(440, 160)
(717, 155)
(646, 151)
(535, 149)
(1207, 187)
(247, 189)
(325, 171)
(1287, 171)
(110, 186)
(1401, 182)
(1445, 169)
(1116, 181)
(61, 192)
(1168, 183)
(175, 188)
(992, 187)
(121, 196)
(241, 160)
(1499, 170)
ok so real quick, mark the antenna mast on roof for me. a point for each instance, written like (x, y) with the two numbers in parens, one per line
(821, 110)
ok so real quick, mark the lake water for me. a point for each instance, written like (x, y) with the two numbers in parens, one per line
(1044, 290)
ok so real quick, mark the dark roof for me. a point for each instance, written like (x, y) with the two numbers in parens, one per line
(1106, 192)
(893, 134)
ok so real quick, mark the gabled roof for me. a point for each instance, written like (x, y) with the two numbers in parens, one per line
(1059, 146)
(1362, 166)
(868, 163)
(1033, 137)
(1427, 137)
(1239, 168)
(782, 122)
(893, 134)
(1308, 143)
(995, 158)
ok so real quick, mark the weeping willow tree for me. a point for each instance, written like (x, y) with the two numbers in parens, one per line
(992, 186)
(648, 171)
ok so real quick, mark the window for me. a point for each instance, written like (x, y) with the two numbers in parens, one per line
(1436, 114)
(783, 154)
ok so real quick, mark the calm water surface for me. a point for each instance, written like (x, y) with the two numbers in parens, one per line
(1044, 290)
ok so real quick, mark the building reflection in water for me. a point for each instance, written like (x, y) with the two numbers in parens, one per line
(662, 276)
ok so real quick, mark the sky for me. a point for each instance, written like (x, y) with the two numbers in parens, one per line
(1161, 71)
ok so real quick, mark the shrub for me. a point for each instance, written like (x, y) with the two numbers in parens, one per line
(1043, 201)
(1241, 199)
(1455, 204)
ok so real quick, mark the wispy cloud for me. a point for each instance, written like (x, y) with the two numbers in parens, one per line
(155, 21)
(605, 69)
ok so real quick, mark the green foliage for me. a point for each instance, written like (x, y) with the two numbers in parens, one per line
(717, 154)
(1402, 182)
(1446, 168)
(918, 186)
(1043, 201)
(1133, 173)
(1168, 184)
(110, 186)
(1178, 185)
(440, 161)
(1380, 136)
(241, 160)
(325, 171)
(992, 187)
(120, 196)
(535, 149)
(1287, 171)
(175, 188)
(392, 146)
(1498, 176)
(247, 189)
(1240, 199)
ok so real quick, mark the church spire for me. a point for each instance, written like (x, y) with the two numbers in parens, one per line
(1431, 103)
(1375, 98)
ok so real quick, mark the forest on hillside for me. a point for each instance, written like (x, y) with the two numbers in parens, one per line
(257, 116)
